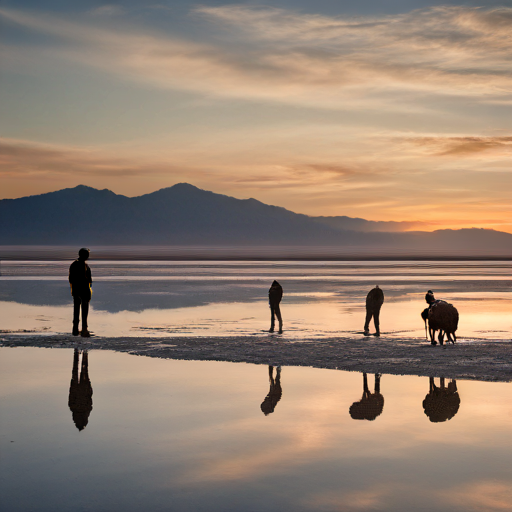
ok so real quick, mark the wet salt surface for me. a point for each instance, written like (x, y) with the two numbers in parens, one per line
(321, 299)
(188, 435)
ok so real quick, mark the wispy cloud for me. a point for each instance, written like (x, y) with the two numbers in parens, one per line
(378, 186)
(305, 59)
(25, 159)
(465, 146)
(457, 50)
(360, 148)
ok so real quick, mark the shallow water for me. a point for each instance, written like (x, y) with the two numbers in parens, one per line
(230, 298)
(165, 435)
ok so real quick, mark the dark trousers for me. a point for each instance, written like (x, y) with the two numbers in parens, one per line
(372, 312)
(275, 311)
(80, 302)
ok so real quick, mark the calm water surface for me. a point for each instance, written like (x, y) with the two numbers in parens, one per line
(230, 298)
(131, 433)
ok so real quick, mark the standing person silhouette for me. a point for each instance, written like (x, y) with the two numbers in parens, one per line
(275, 294)
(374, 301)
(80, 282)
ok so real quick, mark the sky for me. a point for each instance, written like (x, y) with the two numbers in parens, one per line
(396, 110)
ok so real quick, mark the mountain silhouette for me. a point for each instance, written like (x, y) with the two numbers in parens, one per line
(186, 215)
(182, 214)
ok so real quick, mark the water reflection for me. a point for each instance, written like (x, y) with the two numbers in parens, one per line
(192, 435)
(441, 403)
(80, 391)
(371, 404)
(275, 392)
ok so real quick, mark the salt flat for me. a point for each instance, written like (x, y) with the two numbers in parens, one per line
(479, 360)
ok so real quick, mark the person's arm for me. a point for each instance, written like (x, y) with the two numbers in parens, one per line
(70, 278)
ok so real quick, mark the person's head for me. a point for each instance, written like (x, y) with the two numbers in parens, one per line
(83, 254)
(429, 297)
(275, 283)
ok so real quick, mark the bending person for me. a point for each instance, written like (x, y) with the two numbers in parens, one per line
(374, 301)
(275, 294)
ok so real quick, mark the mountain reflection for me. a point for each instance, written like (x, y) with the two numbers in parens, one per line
(371, 404)
(274, 395)
(441, 403)
(80, 391)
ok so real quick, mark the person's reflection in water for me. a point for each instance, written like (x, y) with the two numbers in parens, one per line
(274, 395)
(441, 403)
(371, 404)
(80, 391)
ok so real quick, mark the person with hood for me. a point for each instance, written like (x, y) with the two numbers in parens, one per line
(275, 294)
(80, 282)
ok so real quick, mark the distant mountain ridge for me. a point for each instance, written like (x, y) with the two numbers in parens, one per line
(186, 215)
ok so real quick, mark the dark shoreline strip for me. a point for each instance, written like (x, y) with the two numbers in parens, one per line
(486, 360)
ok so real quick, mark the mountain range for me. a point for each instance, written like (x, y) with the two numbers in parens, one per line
(184, 215)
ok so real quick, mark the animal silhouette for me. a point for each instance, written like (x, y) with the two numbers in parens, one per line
(442, 317)
(441, 403)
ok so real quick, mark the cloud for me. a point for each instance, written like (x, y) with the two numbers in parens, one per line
(449, 27)
(24, 158)
(465, 146)
(381, 177)
(311, 60)
(441, 47)
(107, 10)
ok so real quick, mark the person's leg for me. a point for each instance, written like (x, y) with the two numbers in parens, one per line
(377, 384)
(279, 318)
(84, 370)
(376, 321)
(85, 313)
(272, 319)
(76, 313)
(366, 391)
(368, 318)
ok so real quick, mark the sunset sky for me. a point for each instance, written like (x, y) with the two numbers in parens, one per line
(386, 110)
